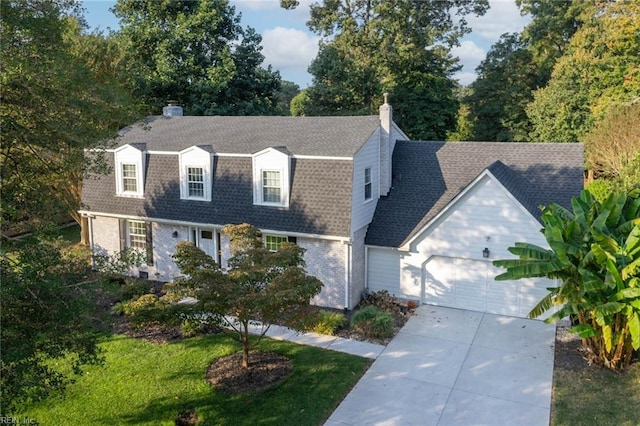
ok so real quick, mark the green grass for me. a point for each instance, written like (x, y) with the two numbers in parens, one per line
(144, 383)
(592, 396)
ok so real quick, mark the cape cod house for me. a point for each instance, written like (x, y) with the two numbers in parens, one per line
(373, 210)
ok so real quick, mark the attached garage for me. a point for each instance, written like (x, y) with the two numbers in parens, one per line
(454, 208)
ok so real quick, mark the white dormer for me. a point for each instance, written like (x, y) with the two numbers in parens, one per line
(195, 174)
(271, 171)
(129, 168)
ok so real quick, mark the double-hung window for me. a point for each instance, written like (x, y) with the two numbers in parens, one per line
(273, 242)
(271, 186)
(195, 182)
(137, 235)
(367, 183)
(129, 178)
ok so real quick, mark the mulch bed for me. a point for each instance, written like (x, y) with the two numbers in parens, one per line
(266, 370)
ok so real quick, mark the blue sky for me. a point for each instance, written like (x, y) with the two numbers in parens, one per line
(289, 46)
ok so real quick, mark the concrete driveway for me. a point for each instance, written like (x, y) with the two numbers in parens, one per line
(455, 367)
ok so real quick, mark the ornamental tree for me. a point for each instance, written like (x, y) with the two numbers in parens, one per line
(258, 285)
(595, 253)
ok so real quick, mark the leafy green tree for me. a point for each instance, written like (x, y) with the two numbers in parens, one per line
(196, 53)
(553, 24)
(499, 96)
(595, 252)
(61, 94)
(258, 284)
(601, 68)
(288, 91)
(401, 47)
(47, 331)
(612, 147)
(300, 104)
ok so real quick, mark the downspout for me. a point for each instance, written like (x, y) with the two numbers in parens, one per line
(347, 273)
(91, 246)
(366, 269)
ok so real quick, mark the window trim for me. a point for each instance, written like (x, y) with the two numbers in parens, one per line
(267, 160)
(368, 186)
(195, 157)
(191, 182)
(280, 239)
(264, 186)
(128, 155)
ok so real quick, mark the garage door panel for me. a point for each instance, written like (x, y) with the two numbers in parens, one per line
(469, 284)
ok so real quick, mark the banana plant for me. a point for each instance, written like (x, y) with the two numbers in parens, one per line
(594, 253)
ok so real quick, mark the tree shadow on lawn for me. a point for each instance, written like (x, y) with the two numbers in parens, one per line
(319, 381)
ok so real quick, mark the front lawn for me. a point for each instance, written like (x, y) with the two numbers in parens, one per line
(584, 395)
(146, 383)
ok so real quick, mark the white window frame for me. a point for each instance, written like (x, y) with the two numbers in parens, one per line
(195, 182)
(128, 155)
(367, 184)
(271, 160)
(137, 235)
(195, 158)
(272, 242)
(271, 183)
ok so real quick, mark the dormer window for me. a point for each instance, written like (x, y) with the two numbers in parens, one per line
(271, 187)
(367, 183)
(195, 180)
(195, 174)
(129, 167)
(271, 177)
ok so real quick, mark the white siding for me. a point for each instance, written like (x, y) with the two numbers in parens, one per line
(486, 216)
(361, 210)
(383, 270)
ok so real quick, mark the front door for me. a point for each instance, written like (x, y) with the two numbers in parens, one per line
(204, 240)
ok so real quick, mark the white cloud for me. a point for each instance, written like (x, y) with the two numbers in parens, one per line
(465, 78)
(502, 17)
(289, 48)
(469, 53)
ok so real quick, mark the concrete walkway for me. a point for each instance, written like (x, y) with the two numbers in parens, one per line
(456, 367)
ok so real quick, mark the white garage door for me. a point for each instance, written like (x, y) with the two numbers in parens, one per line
(469, 284)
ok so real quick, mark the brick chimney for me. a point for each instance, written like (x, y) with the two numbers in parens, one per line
(172, 110)
(386, 145)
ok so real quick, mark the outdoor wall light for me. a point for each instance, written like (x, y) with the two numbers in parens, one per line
(485, 252)
(175, 234)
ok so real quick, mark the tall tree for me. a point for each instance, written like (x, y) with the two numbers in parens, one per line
(61, 94)
(400, 46)
(258, 284)
(47, 331)
(196, 53)
(601, 68)
(499, 96)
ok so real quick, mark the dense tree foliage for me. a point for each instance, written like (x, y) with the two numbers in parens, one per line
(196, 53)
(595, 252)
(507, 78)
(47, 321)
(61, 93)
(257, 285)
(601, 68)
(401, 47)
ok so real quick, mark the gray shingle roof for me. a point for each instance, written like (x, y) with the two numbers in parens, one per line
(320, 200)
(428, 175)
(318, 136)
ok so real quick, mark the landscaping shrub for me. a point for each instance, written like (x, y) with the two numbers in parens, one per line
(328, 322)
(133, 288)
(147, 309)
(383, 301)
(372, 322)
